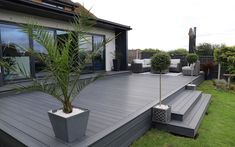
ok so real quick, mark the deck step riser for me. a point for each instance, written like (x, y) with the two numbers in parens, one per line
(171, 97)
(191, 131)
(180, 117)
(188, 127)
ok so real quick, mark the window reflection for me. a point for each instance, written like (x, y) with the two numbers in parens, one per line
(14, 42)
(99, 60)
(85, 46)
(39, 65)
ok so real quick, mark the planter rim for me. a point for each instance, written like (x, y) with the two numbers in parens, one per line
(52, 111)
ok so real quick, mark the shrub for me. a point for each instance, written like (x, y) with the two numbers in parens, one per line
(151, 50)
(207, 68)
(160, 61)
(178, 52)
(206, 49)
(226, 56)
(232, 87)
(148, 53)
(191, 58)
(220, 84)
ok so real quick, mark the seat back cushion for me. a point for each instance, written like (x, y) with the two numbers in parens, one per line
(175, 61)
(138, 61)
(147, 61)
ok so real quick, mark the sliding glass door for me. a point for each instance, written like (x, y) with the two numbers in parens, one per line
(94, 43)
(13, 40)
(99, 60)
(14, 44)
(39, 65)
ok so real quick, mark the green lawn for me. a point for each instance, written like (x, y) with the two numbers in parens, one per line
(217, 128)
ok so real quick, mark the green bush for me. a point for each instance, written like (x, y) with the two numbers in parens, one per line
(160, 61)
(206, 49)
(151, 50)
(226, 56)
(178, 52)
(220, 84)
(191, 58)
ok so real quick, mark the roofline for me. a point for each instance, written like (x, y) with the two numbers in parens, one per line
(114, 24)
(54, 13)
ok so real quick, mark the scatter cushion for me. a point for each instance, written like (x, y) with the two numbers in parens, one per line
(147, 61)
(138, 61)
(144, 66)
(175, 61)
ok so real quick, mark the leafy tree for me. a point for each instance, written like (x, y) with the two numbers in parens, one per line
(218, 59)
(191, 58)
(148, 53)
(225, 55)
(151, 50)
(206, 49)
(160, 62)
(178, 52)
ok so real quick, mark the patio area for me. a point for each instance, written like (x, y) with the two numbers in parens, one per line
(116, 105)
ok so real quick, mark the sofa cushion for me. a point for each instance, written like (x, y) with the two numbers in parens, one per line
(173, 66)
(175, 61)
(186, 68)
(138, 61)
(147, 61)
(145, 66)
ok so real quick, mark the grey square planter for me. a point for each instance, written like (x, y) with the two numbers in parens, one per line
(70, 128)
(191, 87)
(161, 115)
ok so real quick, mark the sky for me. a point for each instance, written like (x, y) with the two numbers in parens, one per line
(164, 24)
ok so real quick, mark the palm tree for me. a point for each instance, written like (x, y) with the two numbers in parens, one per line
(64, 62)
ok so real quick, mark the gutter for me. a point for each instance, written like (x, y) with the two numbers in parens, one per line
(30, 7)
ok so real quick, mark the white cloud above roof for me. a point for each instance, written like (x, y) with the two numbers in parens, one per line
(164, 24)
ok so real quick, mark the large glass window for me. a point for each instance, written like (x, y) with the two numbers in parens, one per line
(99, 60)
(13, 40)
(85, 45)
(39, 65)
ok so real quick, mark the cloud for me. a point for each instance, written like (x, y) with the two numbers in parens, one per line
(165, 24)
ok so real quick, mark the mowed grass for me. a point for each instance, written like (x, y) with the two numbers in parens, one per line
(216, 130)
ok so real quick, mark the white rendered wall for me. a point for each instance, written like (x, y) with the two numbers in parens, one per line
(10, 16)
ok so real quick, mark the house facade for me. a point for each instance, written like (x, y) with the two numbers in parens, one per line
(55, 16)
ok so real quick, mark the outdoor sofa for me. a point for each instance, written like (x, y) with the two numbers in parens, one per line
(175, 65)
(186, 70)
(141, 65)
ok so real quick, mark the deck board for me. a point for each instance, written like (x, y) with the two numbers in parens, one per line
(111, 100)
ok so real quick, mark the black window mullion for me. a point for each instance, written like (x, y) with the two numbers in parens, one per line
(93, 48)
(1, 55)
(32, 59)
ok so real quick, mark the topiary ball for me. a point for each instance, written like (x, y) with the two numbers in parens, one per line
(191, 58)
(160, 61)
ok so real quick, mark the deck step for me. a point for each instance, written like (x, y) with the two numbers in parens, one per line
(189, 126)
(182, 104)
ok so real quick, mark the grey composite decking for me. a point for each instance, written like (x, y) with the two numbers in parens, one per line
(117, 104)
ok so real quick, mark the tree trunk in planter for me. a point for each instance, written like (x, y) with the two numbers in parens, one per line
(116, 64)
(67, 107)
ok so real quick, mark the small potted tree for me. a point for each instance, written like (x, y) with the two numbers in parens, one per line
(161, 113)
(191, 59)
(64, 64)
